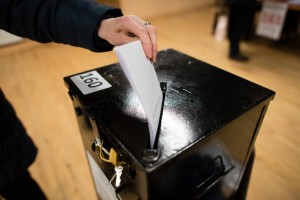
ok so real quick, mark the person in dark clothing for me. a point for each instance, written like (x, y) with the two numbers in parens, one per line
(241, 13)
(17, 152)
(81, 23)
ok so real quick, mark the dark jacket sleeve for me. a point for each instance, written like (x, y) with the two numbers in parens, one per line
(73, 22)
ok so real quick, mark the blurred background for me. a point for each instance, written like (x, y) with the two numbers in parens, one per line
(31, 75)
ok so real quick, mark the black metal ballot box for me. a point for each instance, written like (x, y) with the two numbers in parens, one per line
(210, 120)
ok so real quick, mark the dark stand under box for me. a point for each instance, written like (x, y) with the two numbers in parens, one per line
(210, 120)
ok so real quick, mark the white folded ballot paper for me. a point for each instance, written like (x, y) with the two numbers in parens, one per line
(143, 79)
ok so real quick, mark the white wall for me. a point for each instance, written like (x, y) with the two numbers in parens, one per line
(7, 38)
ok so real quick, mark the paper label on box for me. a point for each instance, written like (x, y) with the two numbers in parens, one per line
(90, 82)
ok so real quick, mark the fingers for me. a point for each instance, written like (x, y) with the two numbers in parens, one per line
(148, 38)
(121, 30)
(152, 34)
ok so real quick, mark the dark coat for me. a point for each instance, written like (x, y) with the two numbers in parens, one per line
(73, 22)
(17, 151)
(242, 3)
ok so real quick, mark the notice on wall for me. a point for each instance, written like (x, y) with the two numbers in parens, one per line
(272, 19)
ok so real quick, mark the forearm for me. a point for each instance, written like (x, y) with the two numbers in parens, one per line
(73, 22)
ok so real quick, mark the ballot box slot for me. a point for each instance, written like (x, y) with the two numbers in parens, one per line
(164, 87)
(152, 154)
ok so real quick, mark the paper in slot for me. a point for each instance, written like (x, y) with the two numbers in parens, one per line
(142, 76)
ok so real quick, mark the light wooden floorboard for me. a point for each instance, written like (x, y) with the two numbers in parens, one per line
(31, 75)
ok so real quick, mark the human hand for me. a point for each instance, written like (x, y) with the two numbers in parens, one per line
(128, 28)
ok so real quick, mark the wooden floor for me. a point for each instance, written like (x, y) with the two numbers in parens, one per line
(31, 75)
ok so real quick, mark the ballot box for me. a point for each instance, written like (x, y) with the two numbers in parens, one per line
(208, 126)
